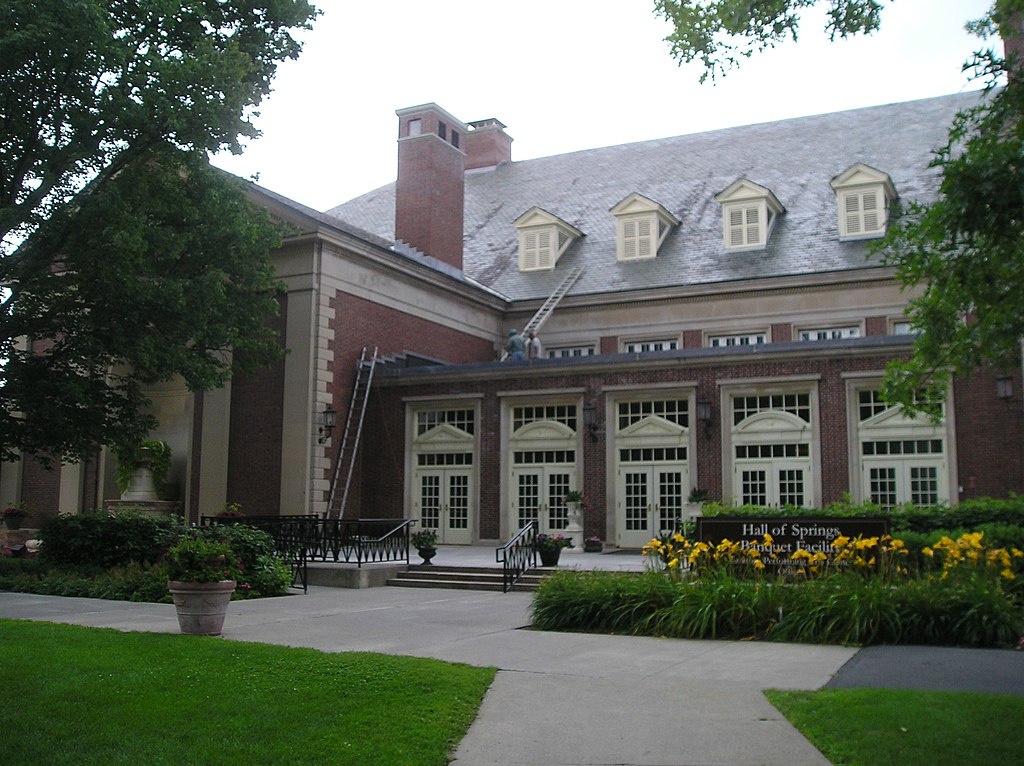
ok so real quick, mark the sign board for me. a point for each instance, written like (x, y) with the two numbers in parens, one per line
(812, 534)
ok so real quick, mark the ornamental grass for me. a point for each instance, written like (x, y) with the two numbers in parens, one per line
(860, 591)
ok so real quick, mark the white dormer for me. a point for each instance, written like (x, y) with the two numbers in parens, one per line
(641, 226)
(749, 212)
(543, 237)
(863, 198)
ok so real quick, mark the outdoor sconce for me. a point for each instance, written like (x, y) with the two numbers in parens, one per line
(704, 415)
(590, 420)
(328, 420)
(1004, 387)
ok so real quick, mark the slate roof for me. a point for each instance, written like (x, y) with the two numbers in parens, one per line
(794, 158)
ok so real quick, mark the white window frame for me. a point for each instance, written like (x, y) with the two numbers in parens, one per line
(829, 333)
(880, 424)
(736, 339)
(855, 187)
(566, 352)
(641, 226)
(543, 238)
(654, 344)
(749, 213)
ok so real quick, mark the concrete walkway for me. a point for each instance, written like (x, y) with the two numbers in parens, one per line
(569, 699)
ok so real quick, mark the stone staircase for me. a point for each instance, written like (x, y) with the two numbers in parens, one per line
(463, 578)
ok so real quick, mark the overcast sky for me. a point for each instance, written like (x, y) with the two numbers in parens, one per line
(563, 75)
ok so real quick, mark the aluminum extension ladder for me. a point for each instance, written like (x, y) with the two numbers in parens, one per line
(350, 438)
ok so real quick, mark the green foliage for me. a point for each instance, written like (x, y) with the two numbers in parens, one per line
(722, 33)
(424, 538)
(968, 610)
(120, 247)
(262, 705)
(259, 572)
(598, 601)
(151, 452)
(911, 728)
(201, 558)
(104, 540)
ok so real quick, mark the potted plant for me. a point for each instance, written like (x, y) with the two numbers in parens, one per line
(13, 515)
(424, 542)
(694, 504)
(593, 544)
(550, 548)
(231, 511)
(201, 572)
(142, 469)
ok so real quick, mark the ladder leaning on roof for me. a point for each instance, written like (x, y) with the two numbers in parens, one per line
(548, 306)
(350, 437)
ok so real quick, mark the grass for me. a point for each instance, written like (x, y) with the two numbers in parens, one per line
(74, 695)
(867, 727)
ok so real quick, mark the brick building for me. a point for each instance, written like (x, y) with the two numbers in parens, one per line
(723, 328)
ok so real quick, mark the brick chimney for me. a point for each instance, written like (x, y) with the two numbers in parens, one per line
(487, 144)
(430, 191)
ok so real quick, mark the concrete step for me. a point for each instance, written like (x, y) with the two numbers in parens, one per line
(461, 578)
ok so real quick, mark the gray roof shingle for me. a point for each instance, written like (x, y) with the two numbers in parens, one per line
(794, 158)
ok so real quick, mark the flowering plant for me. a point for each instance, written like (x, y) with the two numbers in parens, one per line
(202, 559)
(425, 538)
(15, 512)
(593, 539)
(574, 496)
(552, 542)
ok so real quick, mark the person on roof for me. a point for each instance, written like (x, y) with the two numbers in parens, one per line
(534, 349)
(516, 346)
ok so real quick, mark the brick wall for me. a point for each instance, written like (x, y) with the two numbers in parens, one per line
(359, 322)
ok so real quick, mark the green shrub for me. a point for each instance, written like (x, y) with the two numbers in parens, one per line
(261, 573)
(607, 602)
(106, 539)
(970, 609)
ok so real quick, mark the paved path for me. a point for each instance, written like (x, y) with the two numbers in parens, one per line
(559, 699)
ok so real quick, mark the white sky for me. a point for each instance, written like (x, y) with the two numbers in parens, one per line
(563, 75)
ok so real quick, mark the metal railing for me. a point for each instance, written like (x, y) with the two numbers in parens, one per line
(517, 556)
(301, 539)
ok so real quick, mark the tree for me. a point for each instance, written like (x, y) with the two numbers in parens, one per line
(126, 258)
(964, 251)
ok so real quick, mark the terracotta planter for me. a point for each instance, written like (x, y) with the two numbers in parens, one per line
(201, 606)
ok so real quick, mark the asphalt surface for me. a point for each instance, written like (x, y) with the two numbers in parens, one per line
(569, 699)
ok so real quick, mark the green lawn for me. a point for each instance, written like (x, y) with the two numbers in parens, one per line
(869, 727)
(74, 695)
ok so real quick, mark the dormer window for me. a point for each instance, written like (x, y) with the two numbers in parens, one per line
(641, 226)
(863, 198)
(543, 237)
(749, 213)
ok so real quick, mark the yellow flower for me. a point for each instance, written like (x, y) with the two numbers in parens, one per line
(927, 551)
(1007, 573)
(677, 537)
(759, 564)
(767, 539)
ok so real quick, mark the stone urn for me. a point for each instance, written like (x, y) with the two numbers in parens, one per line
(201, 606)
(426, 554)
(574, 528)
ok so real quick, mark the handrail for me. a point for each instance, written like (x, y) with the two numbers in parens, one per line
(322, 539)
(517, 556)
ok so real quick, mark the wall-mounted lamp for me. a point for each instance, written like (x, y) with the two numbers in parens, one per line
(327, 422)
(704, 415)
(590, 420)
(1004, 387)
